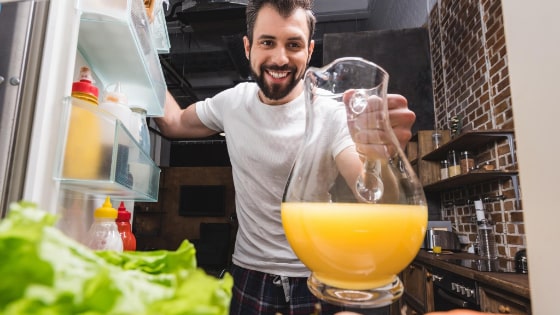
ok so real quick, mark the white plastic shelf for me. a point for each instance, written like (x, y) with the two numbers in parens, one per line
(158, 28)
(98, 156)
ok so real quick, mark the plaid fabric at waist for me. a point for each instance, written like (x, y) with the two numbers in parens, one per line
(256, 293)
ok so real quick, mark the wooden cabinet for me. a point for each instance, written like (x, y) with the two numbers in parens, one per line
(500, 302)
(418, 295)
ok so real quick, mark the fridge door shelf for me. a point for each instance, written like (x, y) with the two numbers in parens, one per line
(98, 156)
(158, 28)
(116, 41)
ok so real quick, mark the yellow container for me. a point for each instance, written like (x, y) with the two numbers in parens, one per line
(82, 143)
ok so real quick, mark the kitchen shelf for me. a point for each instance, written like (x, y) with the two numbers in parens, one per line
(473, 177)
(98, 156)
(426, 160)
(116, 40)
(469, 140)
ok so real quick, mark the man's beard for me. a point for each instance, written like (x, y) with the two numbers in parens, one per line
(276, 91)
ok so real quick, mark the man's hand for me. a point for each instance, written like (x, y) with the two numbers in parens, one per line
(401, 117)
(366, 121)
(368, 125)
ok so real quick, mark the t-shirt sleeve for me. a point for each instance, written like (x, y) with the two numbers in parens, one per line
(212, 111)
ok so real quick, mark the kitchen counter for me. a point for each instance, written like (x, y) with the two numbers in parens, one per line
(515, 283)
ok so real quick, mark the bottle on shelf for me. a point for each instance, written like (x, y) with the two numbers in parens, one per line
(125, 229)
(83, 152)
(137, 160)
(84, 89)
(116, 103)
(466, 162)
(139, 127)
(436, 139)
(486, 240)
(454, 166)
(444, 170)
(104, 233)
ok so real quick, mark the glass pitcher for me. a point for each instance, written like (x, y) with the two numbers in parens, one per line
(353, 210)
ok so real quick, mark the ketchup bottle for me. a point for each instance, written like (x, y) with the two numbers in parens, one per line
(123, 224)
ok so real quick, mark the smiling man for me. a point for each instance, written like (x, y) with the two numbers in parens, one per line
(264, 123)
(279, 48)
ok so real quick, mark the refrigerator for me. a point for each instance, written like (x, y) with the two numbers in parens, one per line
(43, 45)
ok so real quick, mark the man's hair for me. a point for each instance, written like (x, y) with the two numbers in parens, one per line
(284, 7)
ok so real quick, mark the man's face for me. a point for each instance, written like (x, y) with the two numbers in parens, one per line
(279, 54)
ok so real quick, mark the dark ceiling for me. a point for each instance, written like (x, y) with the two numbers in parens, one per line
(207, 55)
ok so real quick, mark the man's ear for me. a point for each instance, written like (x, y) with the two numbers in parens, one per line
(247, 46)
(310, 50)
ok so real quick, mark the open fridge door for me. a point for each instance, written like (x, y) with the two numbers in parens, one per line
(113, 38)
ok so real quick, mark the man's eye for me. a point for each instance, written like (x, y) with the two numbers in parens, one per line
(266, 43)
(294, 45)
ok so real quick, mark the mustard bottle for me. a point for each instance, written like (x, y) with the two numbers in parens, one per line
(83, 154)
(104, 233)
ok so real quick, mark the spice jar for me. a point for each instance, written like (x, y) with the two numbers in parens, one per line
(436, 139)
(467, 162)
(444, 170)
(454, 167)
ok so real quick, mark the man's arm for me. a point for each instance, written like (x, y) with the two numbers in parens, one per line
(181, 123)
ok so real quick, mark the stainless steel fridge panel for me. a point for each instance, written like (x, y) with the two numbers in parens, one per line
(23, 25)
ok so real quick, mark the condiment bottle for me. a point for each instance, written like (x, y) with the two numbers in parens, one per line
(116, 103)
(82, 156)
(454, 167)
(104, 233)
(467, 162)
(137, 160)
(84, 89)
(444, 170)
(436, 139)
(139, 127)
(125, 229)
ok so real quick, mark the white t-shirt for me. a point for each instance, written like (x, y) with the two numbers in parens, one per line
(262, 142)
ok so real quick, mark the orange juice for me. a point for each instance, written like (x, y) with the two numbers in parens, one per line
(354, 245)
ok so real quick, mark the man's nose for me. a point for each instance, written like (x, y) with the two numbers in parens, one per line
(280, 56)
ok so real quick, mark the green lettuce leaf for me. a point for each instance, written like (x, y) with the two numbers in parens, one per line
(45, 272)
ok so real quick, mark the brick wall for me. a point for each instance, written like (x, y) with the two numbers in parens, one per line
(469, 69)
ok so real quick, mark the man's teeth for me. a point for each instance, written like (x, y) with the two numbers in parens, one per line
(278, 75)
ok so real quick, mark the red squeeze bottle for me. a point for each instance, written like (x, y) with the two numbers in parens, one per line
(123, 224)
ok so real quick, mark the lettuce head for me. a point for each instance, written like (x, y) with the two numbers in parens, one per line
(45, 272)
